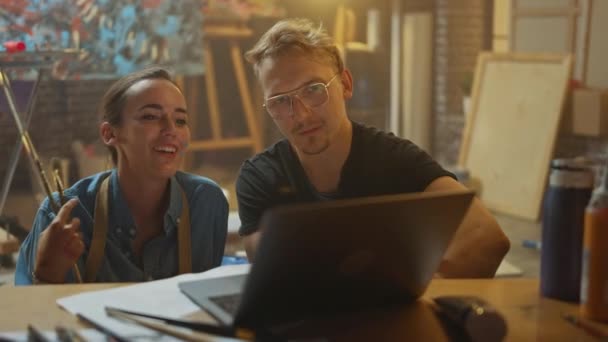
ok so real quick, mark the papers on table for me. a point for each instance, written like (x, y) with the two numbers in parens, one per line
(160, 297)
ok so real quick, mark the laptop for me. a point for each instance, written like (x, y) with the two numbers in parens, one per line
(325, 258)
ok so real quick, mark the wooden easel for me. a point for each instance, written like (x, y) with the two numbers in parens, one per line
(231, 32)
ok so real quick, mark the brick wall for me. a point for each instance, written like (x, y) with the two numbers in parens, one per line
(460, 34)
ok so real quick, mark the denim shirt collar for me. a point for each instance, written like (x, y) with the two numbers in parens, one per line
(121, 217)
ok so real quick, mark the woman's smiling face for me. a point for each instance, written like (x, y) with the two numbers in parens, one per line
(153, 133)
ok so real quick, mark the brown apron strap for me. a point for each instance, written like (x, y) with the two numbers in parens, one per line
(100, 230)
(184, 242)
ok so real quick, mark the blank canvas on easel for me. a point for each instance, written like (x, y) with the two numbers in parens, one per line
(508, 142)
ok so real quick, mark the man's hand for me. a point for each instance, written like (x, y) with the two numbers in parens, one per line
(59, 246)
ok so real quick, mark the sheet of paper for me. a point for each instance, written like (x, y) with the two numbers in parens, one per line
(160, 297)
(506, 269)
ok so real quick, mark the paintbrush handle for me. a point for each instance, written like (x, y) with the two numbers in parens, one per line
(195, 337)
(107, 332)
(62, 201)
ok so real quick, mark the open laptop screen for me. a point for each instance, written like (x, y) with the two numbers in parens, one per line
(330, 257)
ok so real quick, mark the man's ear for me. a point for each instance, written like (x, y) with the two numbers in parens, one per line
(347, 84)
(106, 130)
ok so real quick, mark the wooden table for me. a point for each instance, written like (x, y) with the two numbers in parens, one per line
(529, 317)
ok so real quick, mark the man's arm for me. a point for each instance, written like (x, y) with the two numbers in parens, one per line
(251, 244)
(252, 193)
(479, 244)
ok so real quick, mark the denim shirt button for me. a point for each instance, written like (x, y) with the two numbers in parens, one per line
(177, 220)
(132, 232)
(119, 230)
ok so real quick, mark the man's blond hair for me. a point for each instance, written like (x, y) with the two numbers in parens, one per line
(296, 35)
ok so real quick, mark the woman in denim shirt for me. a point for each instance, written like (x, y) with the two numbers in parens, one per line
(143, 219)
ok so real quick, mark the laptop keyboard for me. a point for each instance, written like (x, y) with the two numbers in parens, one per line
(228, 303)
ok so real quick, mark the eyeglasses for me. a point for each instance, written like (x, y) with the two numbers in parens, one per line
(312, 95)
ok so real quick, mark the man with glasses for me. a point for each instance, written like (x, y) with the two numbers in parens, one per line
(326, 156)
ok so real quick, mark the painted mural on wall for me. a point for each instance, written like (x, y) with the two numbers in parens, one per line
(117, 36)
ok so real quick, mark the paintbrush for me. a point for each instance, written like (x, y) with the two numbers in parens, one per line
(56, 165)
(162, 328)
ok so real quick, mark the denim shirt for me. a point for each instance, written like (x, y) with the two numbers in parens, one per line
(159, 256)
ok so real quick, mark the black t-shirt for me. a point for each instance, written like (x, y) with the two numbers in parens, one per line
(379, 163)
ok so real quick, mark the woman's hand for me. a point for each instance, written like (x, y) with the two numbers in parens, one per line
(59, 246)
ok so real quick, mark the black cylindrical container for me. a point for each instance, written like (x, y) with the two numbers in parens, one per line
(570, 186)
